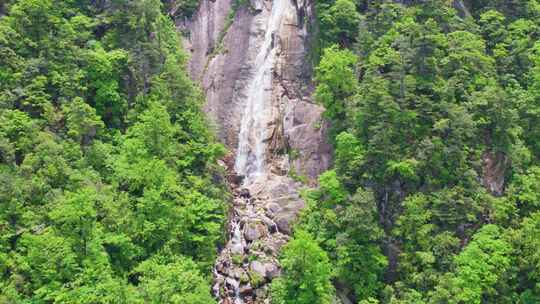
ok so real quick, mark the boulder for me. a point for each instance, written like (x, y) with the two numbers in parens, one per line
(254, 231)
(258, 268)
(244, 193)
(284, 223)
(232, 283)
(270, 225)
(272, 209)
(272, 270)
(246, 290)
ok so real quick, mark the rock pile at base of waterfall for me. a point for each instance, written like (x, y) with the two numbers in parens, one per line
(259, 227)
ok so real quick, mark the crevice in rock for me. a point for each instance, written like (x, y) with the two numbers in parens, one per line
(258, 95)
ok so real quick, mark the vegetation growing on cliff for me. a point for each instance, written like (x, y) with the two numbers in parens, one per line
(435, 111)
(109, 189)
(306, 275)
(109, 192)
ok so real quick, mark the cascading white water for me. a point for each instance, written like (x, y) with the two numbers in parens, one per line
(237, 240)
(232, 266)
(236, 246)
(250, 156)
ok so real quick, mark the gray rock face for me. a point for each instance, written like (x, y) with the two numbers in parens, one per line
(224, 53)
(272, 270)
(219, 52)
(254, 231)
(495, 165)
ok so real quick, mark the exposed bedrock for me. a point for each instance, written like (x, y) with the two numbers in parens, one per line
(252, 63)
(223, 56)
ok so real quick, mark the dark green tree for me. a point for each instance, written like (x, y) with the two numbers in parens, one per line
(306, 273)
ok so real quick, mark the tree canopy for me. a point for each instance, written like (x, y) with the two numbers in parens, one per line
(110, 189)
(433, 107)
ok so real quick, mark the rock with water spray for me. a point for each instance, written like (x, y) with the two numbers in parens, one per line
(254, 231)
(253, 69)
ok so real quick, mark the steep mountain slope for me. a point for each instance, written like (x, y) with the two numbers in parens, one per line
(110, 190)
(114, 188)
(434, 108)
(253, 64)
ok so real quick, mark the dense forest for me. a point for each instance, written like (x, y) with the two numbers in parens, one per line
(109, 188)
(435, 192)
(111, 192)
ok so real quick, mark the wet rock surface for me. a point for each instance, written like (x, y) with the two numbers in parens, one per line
(255, 71)
(223, 60)
(495, 165)
(249, 261)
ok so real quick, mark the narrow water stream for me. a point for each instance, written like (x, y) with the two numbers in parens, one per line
(249, 260)
(250, 156)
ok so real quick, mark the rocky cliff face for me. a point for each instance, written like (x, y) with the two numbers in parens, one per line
(251, 59)
(224, 38)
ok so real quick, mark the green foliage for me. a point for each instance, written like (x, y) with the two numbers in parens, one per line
(103, 77)
(527, 258)
(338, 21)
(177, 281)
(107, 168)
(82, 122)
(349, 157)
(346, 229)
(433, 108)
(335, 75)
(525, 191)
(306, 273)
(478, 268)
(530, 110)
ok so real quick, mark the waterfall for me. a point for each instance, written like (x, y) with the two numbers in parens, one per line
(250, 156)
(265, 205)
